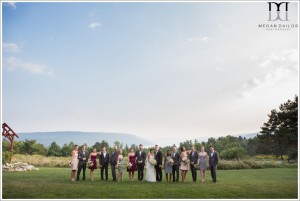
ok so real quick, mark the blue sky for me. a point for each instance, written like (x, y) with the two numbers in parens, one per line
(165, 70)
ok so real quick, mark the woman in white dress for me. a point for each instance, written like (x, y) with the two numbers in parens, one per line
(151, 172)
(74, 162)
(184, 164)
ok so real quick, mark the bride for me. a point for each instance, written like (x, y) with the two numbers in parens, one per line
(151, 172)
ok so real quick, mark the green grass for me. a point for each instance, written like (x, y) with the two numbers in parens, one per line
(246, 183)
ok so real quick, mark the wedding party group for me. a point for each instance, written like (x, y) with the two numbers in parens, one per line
(139, 160)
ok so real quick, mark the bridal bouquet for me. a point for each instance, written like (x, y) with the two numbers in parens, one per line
(152, 161)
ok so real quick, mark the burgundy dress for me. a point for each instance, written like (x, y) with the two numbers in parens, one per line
(93, 158)
(133, 162)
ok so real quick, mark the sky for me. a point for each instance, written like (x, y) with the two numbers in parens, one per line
(162, 71)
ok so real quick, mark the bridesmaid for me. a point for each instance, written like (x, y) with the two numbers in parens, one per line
(131, 159)
(168, 166)
(93, 156)
(120, 162)
(203, 158)
(184, 165)
(74, 162)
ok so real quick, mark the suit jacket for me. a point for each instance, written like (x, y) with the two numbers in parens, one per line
(103, 160)
(113, 158)
(176, 158)
(158, 158)
(139, 157)
(193, 157)
(83, 154)
(213, 159)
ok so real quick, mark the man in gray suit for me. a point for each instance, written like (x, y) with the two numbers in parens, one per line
(213, 162)
(82, 156)
(113, 162)
(175, 166)
(193, 156)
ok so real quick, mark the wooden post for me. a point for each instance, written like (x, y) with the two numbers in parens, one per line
(10, 134)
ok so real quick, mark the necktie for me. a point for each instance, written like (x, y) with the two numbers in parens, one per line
(140, 153)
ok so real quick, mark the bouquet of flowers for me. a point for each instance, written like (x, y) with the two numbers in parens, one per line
(90, 163)
(152, 161)
(186, 161)
(129, 166)
(171, 161)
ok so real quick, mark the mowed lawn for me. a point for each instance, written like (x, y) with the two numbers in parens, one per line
(247, 183)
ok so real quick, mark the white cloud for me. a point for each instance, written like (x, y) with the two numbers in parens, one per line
(197, 39)
(10, 47)
(15, 63)
(95, 25)
(11, 4)
(282, 56)
(279, 67)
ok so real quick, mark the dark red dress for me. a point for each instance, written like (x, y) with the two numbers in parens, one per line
(133, 162)
(93, 158)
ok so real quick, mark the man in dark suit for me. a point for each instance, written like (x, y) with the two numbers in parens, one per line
(140, 161)
(175, 167)
(158, 166)
(193, 156)
(113, 162)
(82, 156)
(104, 161)
(213, 162)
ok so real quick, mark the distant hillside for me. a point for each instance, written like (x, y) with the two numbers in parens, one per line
(62, 137)
(243, 135)
(247, 135)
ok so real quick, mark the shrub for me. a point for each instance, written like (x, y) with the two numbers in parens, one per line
(5, 157)
(233, 153)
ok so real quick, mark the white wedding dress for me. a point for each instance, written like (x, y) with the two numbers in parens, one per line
(151, 172)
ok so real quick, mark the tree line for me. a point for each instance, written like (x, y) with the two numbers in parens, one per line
(278, 136)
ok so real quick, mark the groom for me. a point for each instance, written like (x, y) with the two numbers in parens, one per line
(158, 166)
(140, 161)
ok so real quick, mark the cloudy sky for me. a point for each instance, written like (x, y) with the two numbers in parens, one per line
(157, 70)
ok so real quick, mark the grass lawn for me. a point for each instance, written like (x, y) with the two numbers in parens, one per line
(245, 183)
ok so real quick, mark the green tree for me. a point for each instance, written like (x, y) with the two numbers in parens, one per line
(28, 146)
(252, 146)
(280, 133)
(39, 149)
(67, 149)
(54, 150)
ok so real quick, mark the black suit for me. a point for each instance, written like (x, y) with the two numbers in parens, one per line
(104, 161)
(193, 156)
(158, 158)
(113, 163)
(175, 167)
(82, 156)
(140, 161)
(213, 162)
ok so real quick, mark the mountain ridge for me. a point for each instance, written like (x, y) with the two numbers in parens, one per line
(81, 137)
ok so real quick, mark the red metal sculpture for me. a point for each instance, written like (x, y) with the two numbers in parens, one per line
(10, 134)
